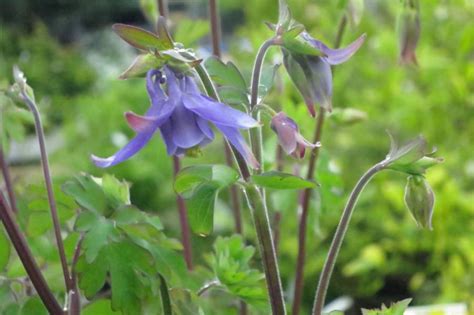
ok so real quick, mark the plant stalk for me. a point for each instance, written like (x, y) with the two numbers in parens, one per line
(27, 259)
(306, 196)
(183, 220)
(339, 237)
(8, 180)
(163, 8)
(49, 188)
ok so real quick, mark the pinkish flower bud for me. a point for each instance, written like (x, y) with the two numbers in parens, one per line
(289, 137)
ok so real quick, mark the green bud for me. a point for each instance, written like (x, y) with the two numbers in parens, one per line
(419, 198)
(141, 65)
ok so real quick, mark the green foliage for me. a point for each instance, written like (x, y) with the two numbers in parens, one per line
(5, 249)
(231, 84)
(280, 180)
(200, 185)
(231, 265)
(190, 31)
(141, 39)
(114, 231)
(397, 308)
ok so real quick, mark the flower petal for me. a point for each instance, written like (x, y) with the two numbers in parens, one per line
(236, 139)
(320, 77)
(336, 56)
(185, 131)
(139, 123)
(205, 128)
(216, 112)
(167, 135)
(153, 87)
(140, 140)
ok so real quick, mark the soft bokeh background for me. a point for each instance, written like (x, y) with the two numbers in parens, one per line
(72, 59)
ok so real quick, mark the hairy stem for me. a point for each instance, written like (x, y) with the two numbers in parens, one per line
(183, 220)
(8, 181)
(339, 237)
(24, 253)
(49, 188)
(267, 249)
(306, 196)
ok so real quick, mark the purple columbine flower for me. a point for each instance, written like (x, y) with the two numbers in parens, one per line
(312, 74)
(182, 115)
(289, 137)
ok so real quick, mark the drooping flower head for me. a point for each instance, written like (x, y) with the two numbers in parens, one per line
(289, 137)
(409, 31)
(312, 74)
(182, 114)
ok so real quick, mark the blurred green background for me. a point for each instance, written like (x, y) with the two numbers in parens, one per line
(72, 59)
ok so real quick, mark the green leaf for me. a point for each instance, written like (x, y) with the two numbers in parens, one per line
(140, 38)
(87, 193)
(201, 208)
(294, 42)
(99, 195)
(335, 313)
(280, 180)
(117, 192)
(163, 33)
(33, 306)
(200, 185)
(127, 289)
(231, 84)
(99, 307)
(397, 308)
(92, 275)
(141, 65)
(231, 266)
(5, 250)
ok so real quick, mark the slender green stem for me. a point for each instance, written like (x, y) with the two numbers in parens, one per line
(339, 237)
(49, 188)
(26, 257)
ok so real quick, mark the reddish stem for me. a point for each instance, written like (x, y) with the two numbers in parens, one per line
(8, 181)
(183, 220)
(32, 269)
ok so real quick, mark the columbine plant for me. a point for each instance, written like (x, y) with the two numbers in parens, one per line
(123, 252)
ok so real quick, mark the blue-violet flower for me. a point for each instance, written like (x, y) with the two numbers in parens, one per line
(312, 74)
(182, 114)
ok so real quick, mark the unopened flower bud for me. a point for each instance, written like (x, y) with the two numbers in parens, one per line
(289, 137)
(419, 198)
